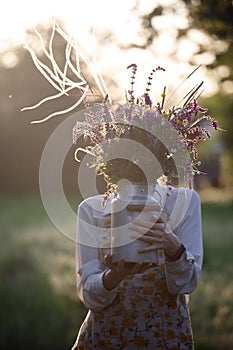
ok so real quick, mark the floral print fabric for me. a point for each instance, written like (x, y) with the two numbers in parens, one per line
(144, 315)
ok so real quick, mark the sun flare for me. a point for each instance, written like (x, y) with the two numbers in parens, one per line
(106, 29)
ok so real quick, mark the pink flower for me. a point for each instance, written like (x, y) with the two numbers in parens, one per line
(195, 108)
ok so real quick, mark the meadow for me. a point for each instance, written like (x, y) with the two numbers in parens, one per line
(39, 306)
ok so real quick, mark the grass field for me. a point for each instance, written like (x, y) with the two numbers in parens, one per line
(39, 307)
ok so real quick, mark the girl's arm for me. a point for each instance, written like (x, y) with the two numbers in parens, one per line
(182, 274)
(89, 269)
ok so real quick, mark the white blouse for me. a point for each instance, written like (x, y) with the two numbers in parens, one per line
(93, 235)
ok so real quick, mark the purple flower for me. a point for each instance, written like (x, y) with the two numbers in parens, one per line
(148, 100)
(195, 108)
(132, 65)
(215, 124)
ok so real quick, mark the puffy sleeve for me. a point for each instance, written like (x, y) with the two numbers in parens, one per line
(182, 275)
(89, 269)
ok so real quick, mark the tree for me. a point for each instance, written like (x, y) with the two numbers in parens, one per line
(212, 21)
(209, 19)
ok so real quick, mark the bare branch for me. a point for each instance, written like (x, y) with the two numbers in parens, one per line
(70, 76)
(71, 108)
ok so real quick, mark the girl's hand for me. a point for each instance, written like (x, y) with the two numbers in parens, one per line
(118, 271)
(156, 237)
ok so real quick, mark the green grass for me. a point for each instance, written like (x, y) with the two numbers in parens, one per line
(218, 236)
(39, 306)
(211, 304)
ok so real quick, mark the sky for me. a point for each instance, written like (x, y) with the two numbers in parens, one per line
(86, 19)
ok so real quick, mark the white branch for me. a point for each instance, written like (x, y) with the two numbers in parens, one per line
(49, 98)
(63, 111)
(58, 77)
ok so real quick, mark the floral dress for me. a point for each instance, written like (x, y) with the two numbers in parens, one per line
(144, 315)
(146, 311)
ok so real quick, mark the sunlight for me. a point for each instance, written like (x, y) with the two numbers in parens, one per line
(90, 20)
(78, 15)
